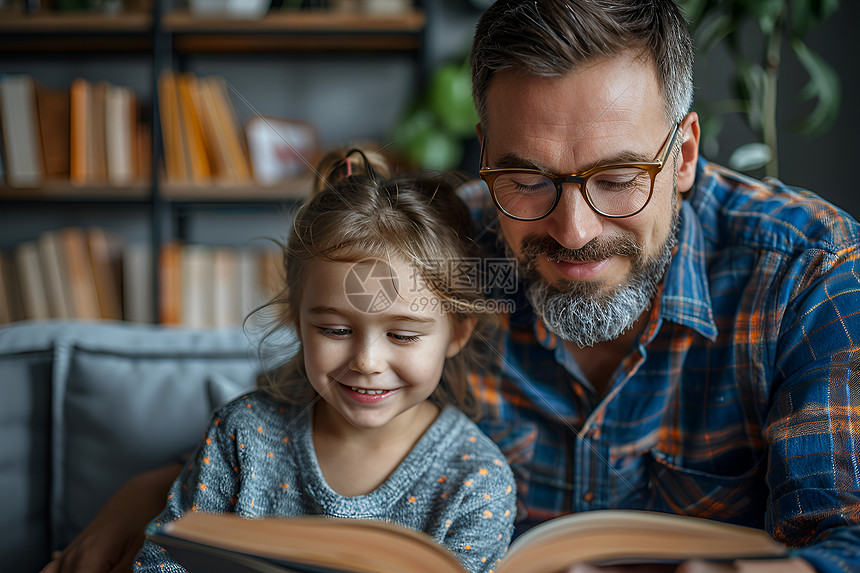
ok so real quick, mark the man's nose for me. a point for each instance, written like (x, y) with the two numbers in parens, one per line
(573, 223)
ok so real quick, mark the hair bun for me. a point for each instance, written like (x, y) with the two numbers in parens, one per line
(338, 164)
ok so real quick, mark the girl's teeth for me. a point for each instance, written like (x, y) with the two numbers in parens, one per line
(363, 391)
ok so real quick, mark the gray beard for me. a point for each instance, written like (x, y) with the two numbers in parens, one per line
(577, 311)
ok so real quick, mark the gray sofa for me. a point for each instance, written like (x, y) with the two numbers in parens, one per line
(86, 406)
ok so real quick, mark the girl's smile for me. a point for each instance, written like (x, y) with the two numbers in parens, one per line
(366, 395)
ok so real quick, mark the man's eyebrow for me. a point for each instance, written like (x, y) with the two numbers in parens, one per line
(513, 161)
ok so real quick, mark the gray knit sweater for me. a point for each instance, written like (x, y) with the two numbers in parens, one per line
(257, 459)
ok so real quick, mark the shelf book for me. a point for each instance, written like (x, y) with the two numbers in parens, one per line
(120, 135)
(53, 106)
(19, 123)
(11, 307)
(28, 273)
(87, 134)
(92, 274)
(120, 138)
(206, 286)
(202, 138)
(313, 544)
(52, 260)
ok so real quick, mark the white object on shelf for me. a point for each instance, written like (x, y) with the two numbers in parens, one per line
(239, 9)
(386, 6)
(280, 148)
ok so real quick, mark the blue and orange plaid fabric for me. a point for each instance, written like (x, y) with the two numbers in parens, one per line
(741, 400)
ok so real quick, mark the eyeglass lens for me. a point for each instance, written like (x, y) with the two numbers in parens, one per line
(615, 192)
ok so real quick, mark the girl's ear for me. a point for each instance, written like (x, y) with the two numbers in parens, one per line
(462, 331)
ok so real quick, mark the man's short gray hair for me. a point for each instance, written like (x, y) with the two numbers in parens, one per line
(553, 37)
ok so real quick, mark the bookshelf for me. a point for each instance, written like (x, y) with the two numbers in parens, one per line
(63, 191)
(54, 32)
(165, 38)
(296, 31)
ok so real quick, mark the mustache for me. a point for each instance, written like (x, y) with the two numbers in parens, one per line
(597, 249)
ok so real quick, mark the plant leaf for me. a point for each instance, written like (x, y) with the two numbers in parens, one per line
(766, 12)
(823, 86)
(437, 150)
(749, 86)
(750, 156)
(807, 14)
(714, 31)
(711, 128)
(450, 97)
(826, 7)
(802, 16)
(692, 10)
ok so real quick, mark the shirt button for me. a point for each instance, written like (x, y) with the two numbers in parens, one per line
(588, 497)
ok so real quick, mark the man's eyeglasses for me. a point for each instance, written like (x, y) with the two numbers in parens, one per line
(615, 191)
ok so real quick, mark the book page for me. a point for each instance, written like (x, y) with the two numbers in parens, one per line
(360, 546)
(633, 536)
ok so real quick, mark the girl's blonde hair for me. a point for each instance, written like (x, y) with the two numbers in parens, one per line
(358, 211)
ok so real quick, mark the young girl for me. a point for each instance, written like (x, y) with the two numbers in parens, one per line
(364, 422)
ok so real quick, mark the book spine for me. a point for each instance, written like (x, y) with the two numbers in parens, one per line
(174, 156)
(54, 126)
(20, 124)
(137, 283)
(81, 281)
(79, 113)
(31, 283)
(198, 159)
(118, 135)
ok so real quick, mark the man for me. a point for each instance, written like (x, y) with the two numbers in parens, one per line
(689, 337)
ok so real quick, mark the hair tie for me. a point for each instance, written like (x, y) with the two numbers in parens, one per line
(366, 168)
(348, 163)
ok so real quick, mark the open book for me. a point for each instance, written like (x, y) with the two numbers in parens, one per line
(226, 542)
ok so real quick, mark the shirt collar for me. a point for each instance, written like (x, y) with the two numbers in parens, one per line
(686, 297)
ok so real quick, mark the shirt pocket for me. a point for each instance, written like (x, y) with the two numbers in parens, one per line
(738, 498)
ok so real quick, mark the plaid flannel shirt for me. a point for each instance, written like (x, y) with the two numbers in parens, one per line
(740, 400)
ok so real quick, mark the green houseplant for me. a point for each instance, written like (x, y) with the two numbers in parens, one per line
(433, 133)
(756, 34)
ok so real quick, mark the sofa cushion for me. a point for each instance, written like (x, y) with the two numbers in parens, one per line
(129, 398)
(25, 384)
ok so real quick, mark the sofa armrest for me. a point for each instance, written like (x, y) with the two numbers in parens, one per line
(95, 404)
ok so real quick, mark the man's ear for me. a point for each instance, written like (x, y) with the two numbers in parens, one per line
(463, 329)
(689, 155)
(480, 132)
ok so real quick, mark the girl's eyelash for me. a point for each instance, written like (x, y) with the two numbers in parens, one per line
(334, 331)
(403, 337)
(347, 331)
